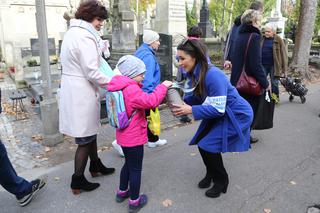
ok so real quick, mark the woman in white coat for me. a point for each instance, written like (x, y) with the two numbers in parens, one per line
(79, 111)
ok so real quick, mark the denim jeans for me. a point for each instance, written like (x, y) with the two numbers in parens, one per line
(131, 170)
(274, 81)
(9, 178)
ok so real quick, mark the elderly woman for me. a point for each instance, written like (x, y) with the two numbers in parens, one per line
(79, 100)
(249, 39)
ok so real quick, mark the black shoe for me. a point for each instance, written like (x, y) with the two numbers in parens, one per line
(253, 140)
(96, 168)
(80, 183)
(36, 186)
(216, 190)
(205, 182)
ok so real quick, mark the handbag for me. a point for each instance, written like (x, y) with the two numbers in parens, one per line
(263, 118)
(248, 84)
(154, 122)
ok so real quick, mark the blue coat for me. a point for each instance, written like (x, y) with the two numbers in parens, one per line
(226, 116)
(253, 61)
(152, 75)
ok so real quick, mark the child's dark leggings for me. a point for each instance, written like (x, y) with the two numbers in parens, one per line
(131, 170)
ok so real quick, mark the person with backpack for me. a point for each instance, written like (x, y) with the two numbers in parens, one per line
(79, 110)
(134, 136)
(147, 53)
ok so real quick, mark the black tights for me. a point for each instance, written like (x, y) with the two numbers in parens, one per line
(82, 154)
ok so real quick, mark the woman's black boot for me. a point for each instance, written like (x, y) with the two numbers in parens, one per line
(96, 168)
(216, 190)
(205, 182)
(80, 183)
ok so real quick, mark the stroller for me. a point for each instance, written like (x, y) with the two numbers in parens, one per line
(294, 87)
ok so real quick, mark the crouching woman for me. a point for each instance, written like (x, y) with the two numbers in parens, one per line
(226, 116)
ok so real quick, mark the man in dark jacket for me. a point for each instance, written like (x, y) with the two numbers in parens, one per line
(274, 58)
(233, 33)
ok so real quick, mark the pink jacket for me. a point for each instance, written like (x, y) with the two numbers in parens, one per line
(135, 99)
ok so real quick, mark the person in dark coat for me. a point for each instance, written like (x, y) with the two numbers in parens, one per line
(233, 33)
(226, 116)
(249, 28)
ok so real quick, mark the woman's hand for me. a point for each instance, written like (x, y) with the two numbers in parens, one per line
(178, 109)
(167, 83)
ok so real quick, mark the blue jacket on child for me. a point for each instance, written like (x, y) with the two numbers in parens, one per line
(152, 74)
(226, 116)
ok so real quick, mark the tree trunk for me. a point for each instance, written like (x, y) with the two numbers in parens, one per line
(301, 53)
(230, 15)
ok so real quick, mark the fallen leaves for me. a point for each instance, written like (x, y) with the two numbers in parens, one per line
(37, 137)
(47, 149)
(167, 203)
(293, 182)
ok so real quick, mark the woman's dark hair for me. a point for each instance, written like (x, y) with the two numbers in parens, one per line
(196, 49)
(195, 31)
(89, 10)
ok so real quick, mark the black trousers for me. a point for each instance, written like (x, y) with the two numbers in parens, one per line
(151, 137)
(215, 167)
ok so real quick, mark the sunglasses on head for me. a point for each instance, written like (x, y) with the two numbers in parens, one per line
(189, 39)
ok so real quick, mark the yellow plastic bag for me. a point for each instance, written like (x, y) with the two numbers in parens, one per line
(154, 121)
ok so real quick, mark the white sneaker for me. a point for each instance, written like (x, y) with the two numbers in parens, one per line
(161, 142)
(152, 144)
(117, 147)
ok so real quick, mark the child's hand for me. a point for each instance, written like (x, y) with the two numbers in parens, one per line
(167, 83)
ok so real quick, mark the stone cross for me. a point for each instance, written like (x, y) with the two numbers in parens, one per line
(123, 37)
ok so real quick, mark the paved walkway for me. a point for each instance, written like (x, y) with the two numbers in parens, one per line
(280, 174)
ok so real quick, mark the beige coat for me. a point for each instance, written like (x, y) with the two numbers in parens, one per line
(280, 56)
(79, 112)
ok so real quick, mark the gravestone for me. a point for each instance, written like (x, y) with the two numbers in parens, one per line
(35, 46)
(205, 24)
(171, 17)
(171, 20)
(164, 56)
(123, 38)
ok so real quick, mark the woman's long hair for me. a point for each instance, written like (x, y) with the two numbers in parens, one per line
(196, 49)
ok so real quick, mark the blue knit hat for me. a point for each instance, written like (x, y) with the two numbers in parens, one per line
(131, 66)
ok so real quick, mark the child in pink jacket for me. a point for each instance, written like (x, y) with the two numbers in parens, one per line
(132, 138)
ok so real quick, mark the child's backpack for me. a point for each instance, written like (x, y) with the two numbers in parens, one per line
(116, 110)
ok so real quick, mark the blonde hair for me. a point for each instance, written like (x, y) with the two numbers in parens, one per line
(251, 17)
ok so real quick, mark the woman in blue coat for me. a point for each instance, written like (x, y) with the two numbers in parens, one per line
(226, 116)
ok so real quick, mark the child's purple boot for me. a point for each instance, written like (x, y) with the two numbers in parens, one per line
(136, 205)
(122, 195)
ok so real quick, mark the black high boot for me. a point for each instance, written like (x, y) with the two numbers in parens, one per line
(205, 182)
(221, 180)
(80, 183)
(217, 188)
(96, 168)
